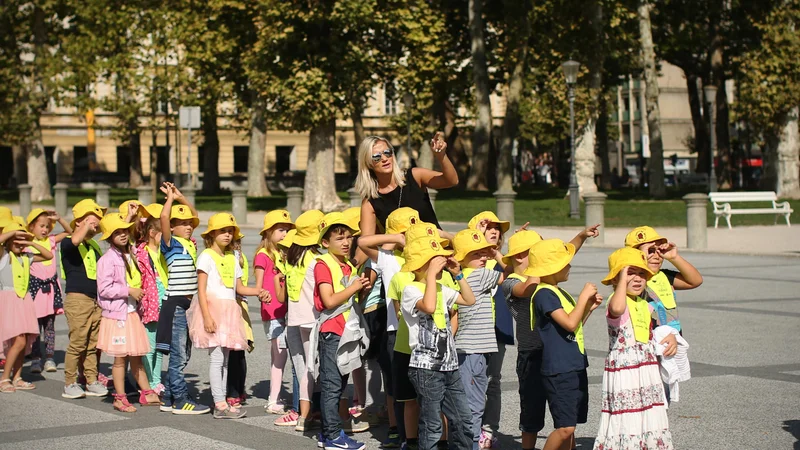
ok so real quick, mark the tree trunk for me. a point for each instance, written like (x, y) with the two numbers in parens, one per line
(359, 134)
(456, 145)
(135, 154)
(20, 164)
(37, 168)
(658, 188)
(602, 142)
(256, 183)
(505, 172)
(320, 182)
(725, 175)
(425, 158)
(586, 141)
(481, 136)
(211, 148)
(699, 121)
(788, 152)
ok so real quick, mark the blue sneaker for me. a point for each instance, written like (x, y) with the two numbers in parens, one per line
(189, 408)
(393, 440)
(320, 440)
(166, 404)
(343, 442)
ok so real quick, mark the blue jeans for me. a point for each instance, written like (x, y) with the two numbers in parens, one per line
(332, 384)
(437, 393)
(295, 391)
(180, 350)
(473, 374)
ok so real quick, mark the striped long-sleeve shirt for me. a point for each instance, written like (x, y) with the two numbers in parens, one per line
(476, 323)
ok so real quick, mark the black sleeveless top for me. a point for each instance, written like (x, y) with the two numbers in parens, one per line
(411, 195)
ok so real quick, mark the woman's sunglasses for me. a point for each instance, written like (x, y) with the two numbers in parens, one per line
(389, 152)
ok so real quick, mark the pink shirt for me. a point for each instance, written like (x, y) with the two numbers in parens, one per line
(112, 286)
(44, 300)
(273, 309)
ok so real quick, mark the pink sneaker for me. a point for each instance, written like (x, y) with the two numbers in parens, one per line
(233, 402)
(159, 389)
(287, 420)
(486, 440)
(356, 411)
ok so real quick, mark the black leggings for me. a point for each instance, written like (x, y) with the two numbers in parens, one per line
(237, 372)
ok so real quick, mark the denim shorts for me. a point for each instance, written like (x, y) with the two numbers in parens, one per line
(275, 328)
(568, 397)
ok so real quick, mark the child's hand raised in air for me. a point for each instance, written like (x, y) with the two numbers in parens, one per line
(668, 251)
(435, 267)
(453, 266)
(588, 293)
(591, 232)
(524, 227)
(167, 190)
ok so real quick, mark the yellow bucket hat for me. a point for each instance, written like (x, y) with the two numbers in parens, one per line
(331, 219)
(288, 240)
(33, 215)
(15, 226)
(466, 241)
(626, 256)
(275, 217)
(183, 212)
(85, 207)
(418, 252)
(308, 228)
(401, 219)
(219, 221)
(548, 257)
(111, 223)
(425, 230)
(519, 242)
(491, 217)
(153, 210)
(642, 235)
(353, 218)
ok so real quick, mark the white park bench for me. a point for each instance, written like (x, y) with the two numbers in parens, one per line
(722, 205)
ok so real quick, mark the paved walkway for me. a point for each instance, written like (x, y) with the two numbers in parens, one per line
(744, 394)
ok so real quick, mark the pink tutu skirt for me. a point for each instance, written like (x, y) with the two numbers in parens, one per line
(17, 316)
(121, 338)
(227, 314)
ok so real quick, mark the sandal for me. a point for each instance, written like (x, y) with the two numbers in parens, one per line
(122, 404)
(22, 385)
(7, 387)
(143, 398)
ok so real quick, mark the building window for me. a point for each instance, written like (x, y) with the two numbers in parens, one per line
(162, 159)
(240, 156)
(201, 159)
(283, 159)
(124, 161)
(6, 166)
(389, 104)
(80, 160)
(49, 157)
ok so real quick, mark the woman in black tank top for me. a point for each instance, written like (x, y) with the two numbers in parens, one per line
(384, 187)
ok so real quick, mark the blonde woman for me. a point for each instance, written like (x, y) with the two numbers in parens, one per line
(384, 186)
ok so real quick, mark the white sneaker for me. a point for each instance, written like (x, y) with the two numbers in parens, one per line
(50, 366)
(73, 391)
(96, 389)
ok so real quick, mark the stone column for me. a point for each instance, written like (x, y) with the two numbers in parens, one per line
(103, 195)
(24, 199)
(355, 198)
(432, 194)
(696, 221)
(61, 199)
(145, 194)
(189, 193)
(505, 205)
(294, 201)
(239, 207)
(595, 213)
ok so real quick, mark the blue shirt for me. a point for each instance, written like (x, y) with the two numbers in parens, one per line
(503, 320)
(561, 353)
(181, 269)
(376, 295)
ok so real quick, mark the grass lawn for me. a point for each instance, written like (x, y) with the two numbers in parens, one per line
(541, 207)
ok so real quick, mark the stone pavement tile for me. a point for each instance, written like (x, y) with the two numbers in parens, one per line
(30, 411)
(161, 438)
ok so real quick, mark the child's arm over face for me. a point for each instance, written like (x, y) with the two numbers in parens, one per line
(689, 277)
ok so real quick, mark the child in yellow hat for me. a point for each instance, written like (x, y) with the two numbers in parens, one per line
(79, 256)
(215, 317)
(44, 285)
(559, 320)
(434, 363)
(18, 324)
(178, 222)
(661, 287)
(633, 408)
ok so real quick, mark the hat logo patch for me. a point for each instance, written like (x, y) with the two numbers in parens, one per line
(641, 236)
(180, 209)
(476, 237)
(285, 215)
(232, 219)
(413, 220)
(434, 245)
(429, 231)
(322, 225)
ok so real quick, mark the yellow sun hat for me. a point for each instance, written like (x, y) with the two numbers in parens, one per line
(275, 217)
(520, 242)
(85, 207)
(642, 235)
(626, 256)
(548, 257)
(183, 212)
(6, 217)
(111, 223)
(153, 210)
(331, 219)
(33, 215)
(491, 217)
(353, 218)
(125, 206)
(15, 226)
(418, 252)
(219, 221)
(288, 240)
(401, 219)
(466, 241)
(308, 228)
(425, 230)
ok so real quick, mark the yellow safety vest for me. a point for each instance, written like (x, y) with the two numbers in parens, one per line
(189, 247)
(659, 288)
(245, 268)
(89, 258)
(295, 276)
(439, 317)
(568, 303)
(276, 258)
(337, 276)
(226, 266)
(21, 270)
(159, 263)
(134, 277)
(640, 318)
(46, 244)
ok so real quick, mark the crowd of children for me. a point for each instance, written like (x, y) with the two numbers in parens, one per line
(415, 310)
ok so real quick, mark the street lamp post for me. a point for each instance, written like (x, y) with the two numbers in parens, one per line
(408, 103)
(570, 69)
(710, 92)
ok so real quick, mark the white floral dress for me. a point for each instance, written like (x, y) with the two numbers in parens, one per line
(634, 410)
